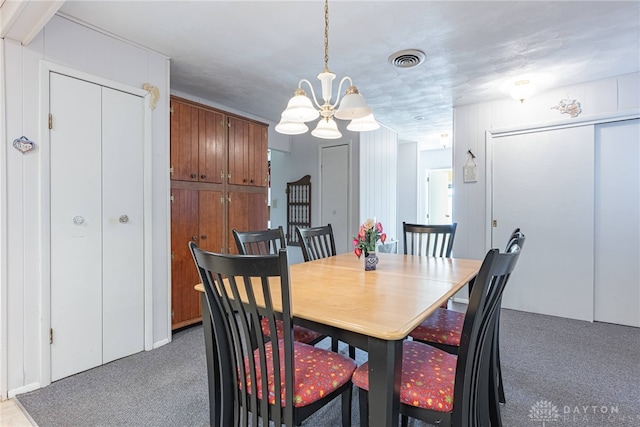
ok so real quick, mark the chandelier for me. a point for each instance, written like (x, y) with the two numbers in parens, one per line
(301, 110)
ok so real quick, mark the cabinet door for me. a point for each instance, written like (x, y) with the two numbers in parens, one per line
(257, 155)
(211, 211)
(238, 151)
(247, 211)
(184, 141)
(185, 304)
(212, 137)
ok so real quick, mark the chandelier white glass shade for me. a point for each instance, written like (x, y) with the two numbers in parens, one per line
(301, 109)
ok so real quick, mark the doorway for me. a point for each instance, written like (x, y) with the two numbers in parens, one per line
(439, 196)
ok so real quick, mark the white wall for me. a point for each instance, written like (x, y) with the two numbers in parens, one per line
(69, 44)
(408, 180)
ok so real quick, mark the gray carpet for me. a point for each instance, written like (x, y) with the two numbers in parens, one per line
(583, 374)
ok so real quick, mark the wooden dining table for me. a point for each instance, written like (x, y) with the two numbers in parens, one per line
(373, 310)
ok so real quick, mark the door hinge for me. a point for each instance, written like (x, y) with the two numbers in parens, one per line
(50, 335)
(172, 316)
(171, 170)
(171, 109)
(50, 121)
(173, 255)
(222, 200)
(171, 198)
(494, 223)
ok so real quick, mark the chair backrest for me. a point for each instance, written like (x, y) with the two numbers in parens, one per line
(241, 290)
(516, 239)
(473, 368)
(316, 242)
(261, 242)
(429, 240)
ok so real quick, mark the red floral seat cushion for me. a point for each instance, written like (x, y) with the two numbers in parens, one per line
(300, 334)
(443, 327)
(318, 372)
(428, 376)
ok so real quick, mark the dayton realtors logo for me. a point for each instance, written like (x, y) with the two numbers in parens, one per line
(544, 411)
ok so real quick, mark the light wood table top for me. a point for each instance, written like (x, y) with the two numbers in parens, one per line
(386, 303)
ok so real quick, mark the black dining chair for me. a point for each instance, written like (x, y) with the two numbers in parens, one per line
(454, 390)
(316, 243)
(443, 329)
(265, 242)
(280, 380)
(429, 240)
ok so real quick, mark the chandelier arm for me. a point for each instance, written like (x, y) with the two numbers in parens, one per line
(340, 90)
(313, 94)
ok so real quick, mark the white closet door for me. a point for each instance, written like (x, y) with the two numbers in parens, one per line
(543, 182)
(617, 223)
(122, 201)
(76, 226)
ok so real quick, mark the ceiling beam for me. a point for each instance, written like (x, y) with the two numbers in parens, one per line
(22, 20)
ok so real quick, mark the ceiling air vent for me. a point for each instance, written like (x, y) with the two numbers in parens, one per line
(407, 58)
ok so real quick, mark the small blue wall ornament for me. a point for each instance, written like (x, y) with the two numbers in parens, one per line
(23, 144)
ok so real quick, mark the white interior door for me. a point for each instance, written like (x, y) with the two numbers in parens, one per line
(76, 226)
(543, 182)
(438, 196)
(97, 249)
(617, 224)
(123, 224)
(334, 200)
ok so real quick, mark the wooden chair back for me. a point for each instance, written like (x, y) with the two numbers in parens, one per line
(257, 375)
(316, 242)
(474, 368)
(261, 242)
(429, 240)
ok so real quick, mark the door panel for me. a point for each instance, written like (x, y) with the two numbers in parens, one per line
(76, 248)
(617, 228)
(439, 199)
(185, 304)
(184, 142)
(212, 136)
(211, 211)
(238, 151)
(335, 194)
(543, 182)
(123, 224)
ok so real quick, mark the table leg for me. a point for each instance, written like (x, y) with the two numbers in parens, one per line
(213, 375)
(385, 368)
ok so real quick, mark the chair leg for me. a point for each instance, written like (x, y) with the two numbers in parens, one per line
(363, 398)
(404, 420)
(346, 407)
(334, 344)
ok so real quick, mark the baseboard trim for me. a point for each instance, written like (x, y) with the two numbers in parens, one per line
(24, 389)
(160, 343)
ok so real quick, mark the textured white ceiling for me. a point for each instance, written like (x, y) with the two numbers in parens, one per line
(249, 55)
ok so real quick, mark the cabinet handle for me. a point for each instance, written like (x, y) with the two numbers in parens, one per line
(251, 181)
(244, 180)
(194, 238)
(203, 176)
(123, 219)
(193, 175)
(204, 237)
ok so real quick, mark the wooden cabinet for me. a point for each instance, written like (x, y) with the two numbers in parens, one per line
(218, 182)
(197, 144)
(247, 153)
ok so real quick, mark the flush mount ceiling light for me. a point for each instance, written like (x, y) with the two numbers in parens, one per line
(522, 89)
(300, 108)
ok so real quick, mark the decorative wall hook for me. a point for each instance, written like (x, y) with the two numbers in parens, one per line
(568, 106)
(23, 144)
(155, 94)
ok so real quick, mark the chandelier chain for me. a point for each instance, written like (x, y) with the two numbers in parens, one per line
(326, 35)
